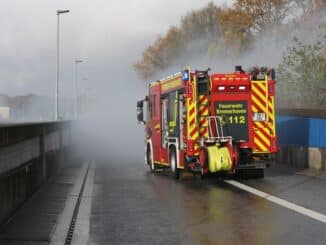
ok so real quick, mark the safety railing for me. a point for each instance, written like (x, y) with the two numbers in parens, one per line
(215, 130)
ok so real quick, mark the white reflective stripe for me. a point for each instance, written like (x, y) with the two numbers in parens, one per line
(294, 207)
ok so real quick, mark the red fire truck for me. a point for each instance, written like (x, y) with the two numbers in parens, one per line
(207, 123)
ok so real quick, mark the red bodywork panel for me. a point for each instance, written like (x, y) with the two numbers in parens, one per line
(154, 125)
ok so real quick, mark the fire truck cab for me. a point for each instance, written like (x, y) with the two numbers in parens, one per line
(206, 123)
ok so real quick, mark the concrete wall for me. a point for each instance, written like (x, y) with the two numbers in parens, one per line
(29, 154)
(302, 141)
(17, 187)
(302, 157)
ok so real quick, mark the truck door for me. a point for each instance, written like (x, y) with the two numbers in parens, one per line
(170, 122)
(173, 114)
(165, 127)
(155, 122)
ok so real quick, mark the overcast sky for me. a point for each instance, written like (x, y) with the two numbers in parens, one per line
(108, 35)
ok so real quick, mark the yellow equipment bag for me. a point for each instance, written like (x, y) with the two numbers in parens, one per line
(218, 158)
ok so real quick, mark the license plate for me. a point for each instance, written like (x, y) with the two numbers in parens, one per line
(259, 117)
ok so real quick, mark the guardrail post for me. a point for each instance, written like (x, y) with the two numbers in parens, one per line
(61, 147)
(43, 153)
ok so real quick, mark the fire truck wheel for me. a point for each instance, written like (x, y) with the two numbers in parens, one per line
(173, 164)
(150, 162)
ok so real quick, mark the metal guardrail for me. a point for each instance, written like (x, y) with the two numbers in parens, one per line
(301, 131)
(310, 113)
(301, 127)
(11, 133)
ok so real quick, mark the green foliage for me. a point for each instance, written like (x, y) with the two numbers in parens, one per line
(302, 76)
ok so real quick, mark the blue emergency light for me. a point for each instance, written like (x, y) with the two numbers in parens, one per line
(273, 75)
(185, 75)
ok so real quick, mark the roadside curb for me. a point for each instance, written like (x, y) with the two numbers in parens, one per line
(61, 229)
(320, 174)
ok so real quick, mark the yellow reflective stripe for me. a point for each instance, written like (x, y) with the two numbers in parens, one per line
(266, 130)
(167, 164)
(263, 137)
(261, 106)
(254, 108)
(257, 142)
(202, 107)
(204, 124)
(162, 163)
(192, 118)
(273, 116)
(205, 101)
(189, 106)
(271, 105)
(262, 97)
(262, 86)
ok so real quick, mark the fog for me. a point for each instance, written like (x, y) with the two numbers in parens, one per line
(109, 36)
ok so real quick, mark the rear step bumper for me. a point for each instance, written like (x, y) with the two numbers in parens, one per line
(260, 165)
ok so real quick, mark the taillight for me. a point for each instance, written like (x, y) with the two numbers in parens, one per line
(242, 88)
(274, 147)
(190, 146)
(221, 88)
(232, 88)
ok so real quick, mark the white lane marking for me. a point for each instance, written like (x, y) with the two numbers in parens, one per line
(294, 207)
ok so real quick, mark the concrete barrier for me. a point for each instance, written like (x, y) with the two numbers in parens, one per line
(29, 154)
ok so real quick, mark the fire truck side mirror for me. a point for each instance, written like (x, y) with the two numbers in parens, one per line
(140, 111)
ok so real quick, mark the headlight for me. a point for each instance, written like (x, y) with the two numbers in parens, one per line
(259, 116)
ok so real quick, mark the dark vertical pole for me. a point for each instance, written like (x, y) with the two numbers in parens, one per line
(61, 145)
(43, 153)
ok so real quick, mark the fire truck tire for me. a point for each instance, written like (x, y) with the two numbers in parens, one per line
(173, 163)
(150, 161)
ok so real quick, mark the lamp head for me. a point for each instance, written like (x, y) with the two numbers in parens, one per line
(62, 11)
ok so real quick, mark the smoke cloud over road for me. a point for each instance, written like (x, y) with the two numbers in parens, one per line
(109, 37)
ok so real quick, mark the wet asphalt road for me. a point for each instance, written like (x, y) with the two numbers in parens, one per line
(132, 206)
(129, 205)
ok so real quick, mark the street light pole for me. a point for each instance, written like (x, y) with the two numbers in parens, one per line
(87, 99)
(84, 106)
(56, 102)
(76, 89)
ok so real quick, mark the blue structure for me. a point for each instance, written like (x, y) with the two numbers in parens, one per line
(301, 131)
